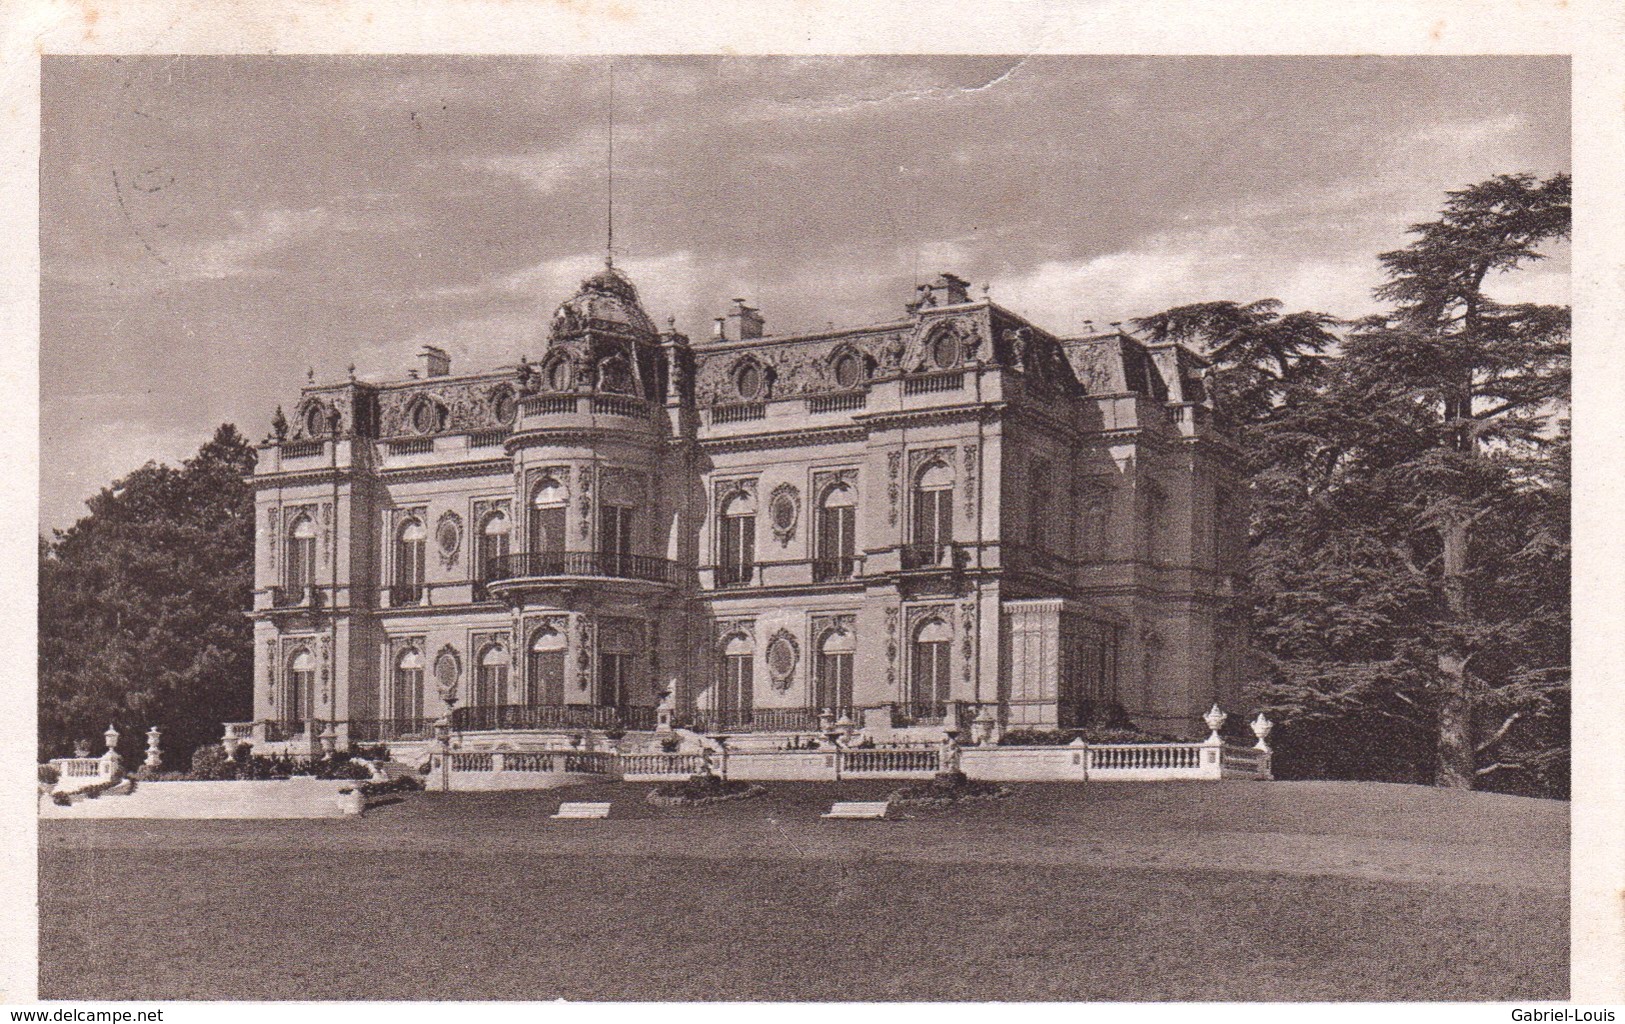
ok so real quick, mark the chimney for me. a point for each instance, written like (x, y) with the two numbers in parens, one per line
(955, 289)
(742, 323)
(436, 363)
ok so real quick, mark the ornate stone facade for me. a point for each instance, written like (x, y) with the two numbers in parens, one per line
(955, 508)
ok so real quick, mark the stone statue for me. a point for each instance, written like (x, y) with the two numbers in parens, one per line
(279, 425)
(950, 754)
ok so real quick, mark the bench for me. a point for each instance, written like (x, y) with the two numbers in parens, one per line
(583, 811)
(859, 809)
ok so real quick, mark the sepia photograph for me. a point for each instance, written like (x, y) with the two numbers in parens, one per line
(838, 529)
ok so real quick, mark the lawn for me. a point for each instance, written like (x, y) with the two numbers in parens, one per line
(1239, 891)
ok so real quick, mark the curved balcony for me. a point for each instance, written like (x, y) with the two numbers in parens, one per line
(533, 567)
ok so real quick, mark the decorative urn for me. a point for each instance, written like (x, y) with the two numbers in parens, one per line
(1262, 727)
(1215, 720)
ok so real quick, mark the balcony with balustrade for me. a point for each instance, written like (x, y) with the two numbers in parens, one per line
(530, 570)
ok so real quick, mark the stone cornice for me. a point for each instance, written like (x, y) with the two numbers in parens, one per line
(448, 470)
(290, 478)
(785, 438)
(581, 436)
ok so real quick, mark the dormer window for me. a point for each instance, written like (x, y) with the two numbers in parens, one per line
(315, 420)
(427, 416)
(503, 406)
(750, 382)
(561, 377)
(848, 370)
(945, 350)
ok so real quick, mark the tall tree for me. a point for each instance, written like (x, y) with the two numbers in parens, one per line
(141, 604)
(1418, 573)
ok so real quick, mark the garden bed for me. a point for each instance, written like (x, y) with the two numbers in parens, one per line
(702, 789)
(946, 789)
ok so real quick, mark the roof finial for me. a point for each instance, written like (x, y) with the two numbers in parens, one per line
(609, 213)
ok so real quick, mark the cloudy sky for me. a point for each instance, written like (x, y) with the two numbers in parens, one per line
(212, 226)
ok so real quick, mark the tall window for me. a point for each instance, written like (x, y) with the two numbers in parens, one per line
(615, 654)
(301, 687)
(491, 680)
(615, 538)
(302, 553)
(834, 672)
(547, 508)
(546, 669)
(493, 546)
(407, 695)
(929, 680)
(1039, 514)
(934, 513)
(737, 556)
(836, 534)
(409, 545)
(735, 693)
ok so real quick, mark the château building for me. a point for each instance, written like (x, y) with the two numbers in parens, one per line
(951, 516)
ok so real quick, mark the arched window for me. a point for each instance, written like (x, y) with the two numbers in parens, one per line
(616, 647)
(929, 679)
(561, 376)
(736, 556)
(833, 672)
(546, 668)
(933, 514)
(615, 376)
(735, 690)
(301, 699)
(547, 521)
(409, 544)
(491, 679)
(492, 546)
(302, 553)
(406, 692)
(835, 540)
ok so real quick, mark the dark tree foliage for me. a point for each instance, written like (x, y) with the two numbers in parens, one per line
(141, 607)
(1410, 499)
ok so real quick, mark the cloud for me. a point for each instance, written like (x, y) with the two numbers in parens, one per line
(238, 254)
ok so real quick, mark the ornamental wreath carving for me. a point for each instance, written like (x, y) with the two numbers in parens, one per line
(448, 538)
(784, 512)
(783, 653)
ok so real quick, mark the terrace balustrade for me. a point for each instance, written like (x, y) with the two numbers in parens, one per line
(501, 717)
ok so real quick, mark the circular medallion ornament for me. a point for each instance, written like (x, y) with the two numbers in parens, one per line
(782, 655)
(315, 420)
(783, 511)
(424, 419)
(945, 350)
(448, 537)
(447, 669)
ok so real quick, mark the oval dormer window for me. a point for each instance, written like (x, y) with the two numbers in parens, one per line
(315, 422)
(561, 377)
(945, 350)
(848, 370)
(749, 382)
(615, 377)
(424, 420)
(504, 407)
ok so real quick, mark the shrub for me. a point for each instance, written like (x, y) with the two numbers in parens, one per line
(670, 744)
(400, 784)
(1093, 734)
(946, 789)
(704, 788)
(48, 774)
